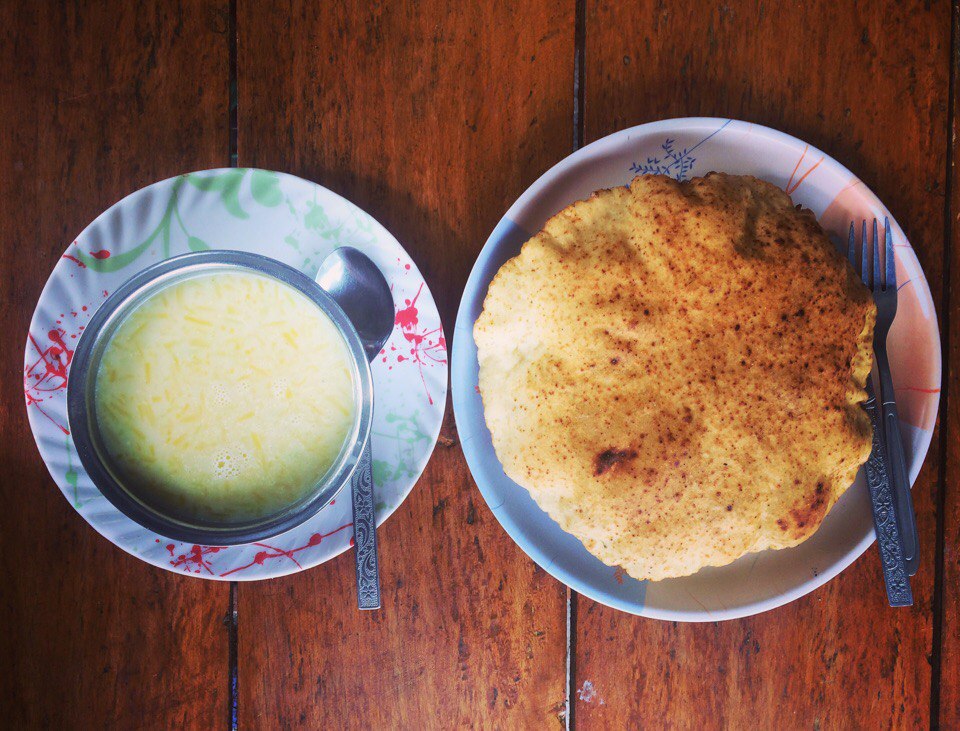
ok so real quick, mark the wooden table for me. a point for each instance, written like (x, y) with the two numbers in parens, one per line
(435, 117)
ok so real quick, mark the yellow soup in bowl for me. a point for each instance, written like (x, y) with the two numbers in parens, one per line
(225, 396)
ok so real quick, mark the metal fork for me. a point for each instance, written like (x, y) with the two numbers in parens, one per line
(895, 525)
(885, 295)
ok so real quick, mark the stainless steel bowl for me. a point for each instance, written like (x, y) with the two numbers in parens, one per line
(82, 408)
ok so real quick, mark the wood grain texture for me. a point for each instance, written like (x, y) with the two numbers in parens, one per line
(868, 84)
(432, 117)
(98, 101)
(949, 700)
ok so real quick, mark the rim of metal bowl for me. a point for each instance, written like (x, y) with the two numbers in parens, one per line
(81, 404)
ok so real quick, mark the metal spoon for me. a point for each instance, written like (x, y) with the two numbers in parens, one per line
(358, 286)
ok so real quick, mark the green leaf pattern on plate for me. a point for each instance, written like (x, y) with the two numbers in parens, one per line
(313, 224)
(407, 433)
(264, 186)
(228, 185)
(71, 475)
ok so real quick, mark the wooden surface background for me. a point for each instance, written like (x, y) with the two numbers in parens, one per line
(435, 117)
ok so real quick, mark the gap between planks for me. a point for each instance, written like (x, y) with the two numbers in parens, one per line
(579, 58)
(232, 618)
(936, 659)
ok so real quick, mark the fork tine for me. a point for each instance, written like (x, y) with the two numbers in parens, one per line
(852, 248)
(877, 282)
(891, 277)
(864, 255)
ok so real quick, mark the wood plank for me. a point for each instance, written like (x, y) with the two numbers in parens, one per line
(949, 700)
(99, 100)
(433, 117)
(868, 84)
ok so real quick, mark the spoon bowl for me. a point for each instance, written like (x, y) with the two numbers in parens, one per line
(359, 287)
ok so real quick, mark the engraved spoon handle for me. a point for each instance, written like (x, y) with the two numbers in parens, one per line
(365, 533)
(885, 513)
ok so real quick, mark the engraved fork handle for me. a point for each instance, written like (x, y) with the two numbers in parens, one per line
(899, 478)
(885, 513)
(365, 533)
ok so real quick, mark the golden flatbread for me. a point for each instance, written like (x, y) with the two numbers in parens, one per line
(674, 370)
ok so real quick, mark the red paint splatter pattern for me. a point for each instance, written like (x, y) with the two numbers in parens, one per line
(420, 347)
(195, 560)
(198, 559)
(45, 373)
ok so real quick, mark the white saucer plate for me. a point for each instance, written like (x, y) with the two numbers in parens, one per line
(286, 218)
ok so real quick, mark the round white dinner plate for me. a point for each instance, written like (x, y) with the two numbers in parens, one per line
(286, 218)
(683, 148)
